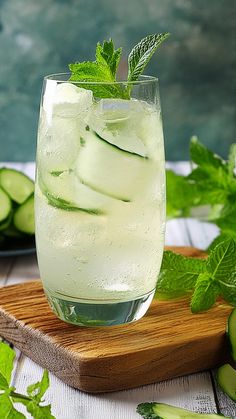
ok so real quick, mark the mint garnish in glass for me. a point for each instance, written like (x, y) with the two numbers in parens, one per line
(104, 69)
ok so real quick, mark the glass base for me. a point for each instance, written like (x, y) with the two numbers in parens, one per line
(99, 314)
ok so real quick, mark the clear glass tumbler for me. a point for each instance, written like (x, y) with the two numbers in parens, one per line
(100, 198)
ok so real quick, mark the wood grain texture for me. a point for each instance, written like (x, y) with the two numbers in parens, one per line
(168, 342)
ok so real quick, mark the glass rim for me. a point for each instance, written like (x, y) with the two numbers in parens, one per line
(143, 79)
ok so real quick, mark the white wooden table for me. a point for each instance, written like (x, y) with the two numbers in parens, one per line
(197, 392)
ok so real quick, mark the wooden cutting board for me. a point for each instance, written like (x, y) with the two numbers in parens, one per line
(167, 342)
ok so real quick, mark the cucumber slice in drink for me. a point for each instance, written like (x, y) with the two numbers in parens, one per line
(64, 191)
(165, 411)
(226, 377)
(23, 218)
(110, 170)
(231, 332)
(17, 185)
(5, 205)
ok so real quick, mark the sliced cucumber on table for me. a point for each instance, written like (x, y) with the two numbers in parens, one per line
(231, 332)
(5, 206)
(12, 233)
(16, 184)
(226, 377)
(23, 219)
(6, 223)
(226, 374)
(165, 411)
(110, 170)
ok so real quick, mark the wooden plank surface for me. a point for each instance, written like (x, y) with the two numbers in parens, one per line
(168, 341)
(194, 392)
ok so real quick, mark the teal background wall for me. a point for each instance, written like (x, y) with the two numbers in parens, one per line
(196, 66)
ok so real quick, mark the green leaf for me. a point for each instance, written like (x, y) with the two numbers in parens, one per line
(3, 383)
(107, 55)
(202, 156)
(7, 356)
(179, 273)
(141, 54)
(181, 195)
(228, 288)
(37, 390)
(219, 239)
(222, 260)
(39, 412)
(205, 293)
(90, 71)
(7, 411)
(211, 177)
(227, 218)
(232, 160)
(94, 72)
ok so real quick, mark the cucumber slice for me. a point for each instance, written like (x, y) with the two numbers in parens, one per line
(23, 218)
(5, 224)
(165, 411)
(5, 205)
(63, 190)
(17, 185)
(68, 206)
(11, 232)
(231, 332)
(226, 377)
(110, 170)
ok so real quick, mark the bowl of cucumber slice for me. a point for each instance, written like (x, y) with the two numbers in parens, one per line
(16, 213)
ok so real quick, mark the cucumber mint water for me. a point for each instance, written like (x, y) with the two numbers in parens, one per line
(100, 200)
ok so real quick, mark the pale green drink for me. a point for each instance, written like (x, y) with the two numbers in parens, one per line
(100, 202)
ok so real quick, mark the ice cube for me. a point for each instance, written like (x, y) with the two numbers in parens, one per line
(72, 101)
(116, 121)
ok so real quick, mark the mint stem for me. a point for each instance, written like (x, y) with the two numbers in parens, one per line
(19, 396)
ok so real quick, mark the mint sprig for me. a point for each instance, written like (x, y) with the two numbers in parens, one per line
(206, 279)
(208, 192)
(8, 395)
(104, 69)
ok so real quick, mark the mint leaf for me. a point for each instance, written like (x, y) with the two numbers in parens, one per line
(222, 264)
(179, 273)
(91, 71)
(3, 383)
(39, 412)
(7, 356)
(205, 293)
(227, 218)
(181, 195)
(141, 54)
(7, 411)
(228, 288)
(222, 260)
(108, 56)
(232, 160)
(202, 156)
(219, 239)
(37, 390)
(211, 176)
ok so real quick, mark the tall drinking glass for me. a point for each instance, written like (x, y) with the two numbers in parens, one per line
(100, 199)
